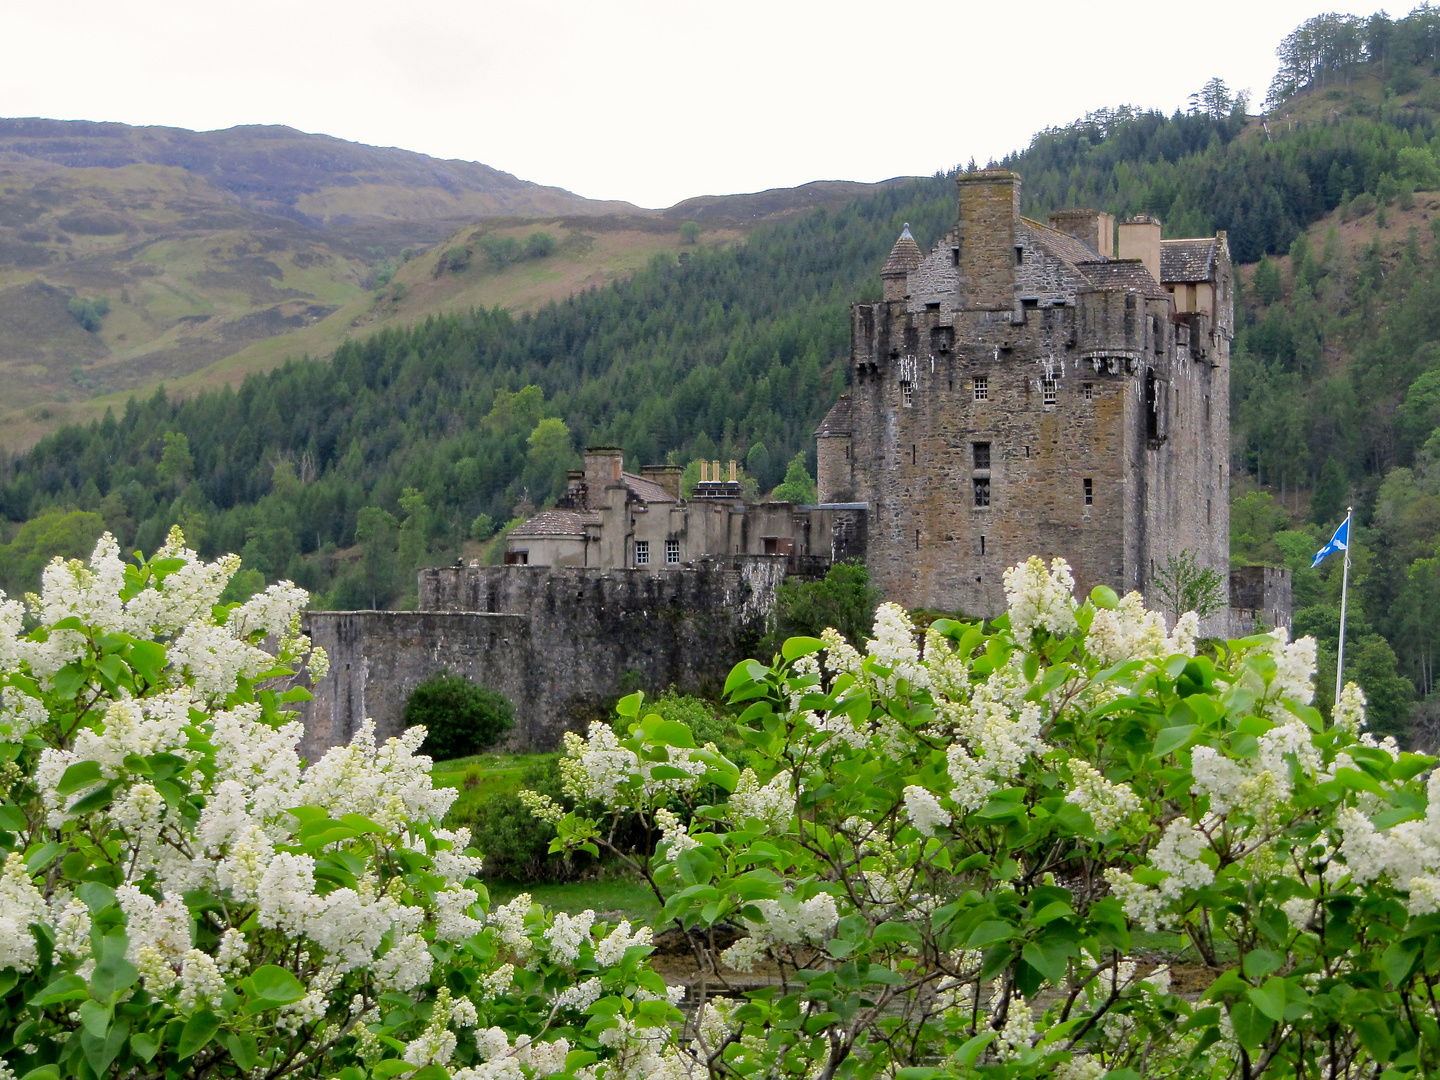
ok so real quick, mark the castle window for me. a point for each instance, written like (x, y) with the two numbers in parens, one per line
(981, 383)
(955, 256)
(642, 552)
(907, 394)
(980, 454)
(933, 305)
(1049, 390)
(914, 454)
(1019, 254)
(1088, 389)
(1030, 303)
(982, 492)
(672, 552)
(1089, 491)
(982, 545)
(917, 539)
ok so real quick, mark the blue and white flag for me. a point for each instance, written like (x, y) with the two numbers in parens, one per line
(1339, 542)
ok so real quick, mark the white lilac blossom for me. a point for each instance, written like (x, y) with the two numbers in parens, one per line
(924, 810)
(204, 817)
(771, 804)
(1108, 804)
(1039, 599)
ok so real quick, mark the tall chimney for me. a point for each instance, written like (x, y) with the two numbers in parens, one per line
(1093, 228)
(1140, 239)
(602, 468)
(989, 212)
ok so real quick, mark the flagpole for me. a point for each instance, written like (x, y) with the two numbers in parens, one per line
(1344, 597)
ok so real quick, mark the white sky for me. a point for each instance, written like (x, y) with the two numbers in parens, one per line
(652, 102)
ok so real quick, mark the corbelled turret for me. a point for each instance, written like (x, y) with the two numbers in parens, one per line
(904, 257)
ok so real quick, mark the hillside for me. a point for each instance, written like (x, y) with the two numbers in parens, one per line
(222, 253)
(416, 441)
(316, 180)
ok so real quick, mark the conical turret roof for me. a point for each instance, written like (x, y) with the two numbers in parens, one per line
(904, 256)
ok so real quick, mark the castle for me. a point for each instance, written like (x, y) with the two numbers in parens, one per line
(1029, 389)
(1023, 389)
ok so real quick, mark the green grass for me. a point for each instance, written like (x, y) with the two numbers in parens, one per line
(632, 899)
(483, 776)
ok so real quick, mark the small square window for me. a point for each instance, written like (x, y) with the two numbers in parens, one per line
(907, 394)
(642, 552)
(980, 454)
(981, 384)
(1089, 492)
(1049, 391)
(982, 492)
(1088, 390)
(672, 552)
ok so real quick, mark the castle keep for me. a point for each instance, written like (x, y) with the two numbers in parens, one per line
(1029, 389)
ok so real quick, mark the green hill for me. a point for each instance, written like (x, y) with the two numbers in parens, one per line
(440, 430)
(219, 254)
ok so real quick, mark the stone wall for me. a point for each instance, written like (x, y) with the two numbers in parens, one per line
(557, 641)
(1260, 598)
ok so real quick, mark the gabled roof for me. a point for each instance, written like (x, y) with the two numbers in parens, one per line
(1062, 245)
(1123, 274)
(837, 420)
(1188, 260)
(557, 523)
(646, 490)
(904, 256)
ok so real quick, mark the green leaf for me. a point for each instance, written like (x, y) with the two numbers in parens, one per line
(1261, 962)
(198, 1031)
(1252, 1027)
(244, 1050)
(147, 659)
(97, 800)
(95, 1017)
(796, 647)
(113, 973)
(101, 1052)
(1171, 739)
(65, 988)
(988, 933)
(1398, 961)
(269, 988)
(1375, 1033)
(12, 818)
(1102, 596)
(143, 1045)
(43, 1072)
(68, 680)
(80, 775)
(668, 733)
(1270, 998)
(390, 1067)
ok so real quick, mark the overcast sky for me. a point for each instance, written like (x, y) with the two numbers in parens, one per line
(649, 102)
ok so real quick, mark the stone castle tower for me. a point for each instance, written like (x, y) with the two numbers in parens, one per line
(1028, 389)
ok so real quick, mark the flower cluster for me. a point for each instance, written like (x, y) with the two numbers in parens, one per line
(165, 842)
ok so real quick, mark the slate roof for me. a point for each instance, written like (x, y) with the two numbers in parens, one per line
(1127, 274)
(558, 523)
(1187, 260)
(646, 490)
(837, 420)
(904, 256)
(1062, 245)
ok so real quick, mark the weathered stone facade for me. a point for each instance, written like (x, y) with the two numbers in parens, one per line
(1020, 392)
(557, 641)
(613, 519)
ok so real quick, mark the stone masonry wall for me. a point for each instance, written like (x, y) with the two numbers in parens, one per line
(556, 641)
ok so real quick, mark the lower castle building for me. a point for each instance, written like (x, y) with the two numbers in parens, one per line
(1037, 389)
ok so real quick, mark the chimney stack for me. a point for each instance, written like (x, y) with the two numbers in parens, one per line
(603, 465)
(1093, 228)
(989, 213)
(1140, 239)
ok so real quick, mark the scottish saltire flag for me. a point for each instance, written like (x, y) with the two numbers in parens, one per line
(1339, 542)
